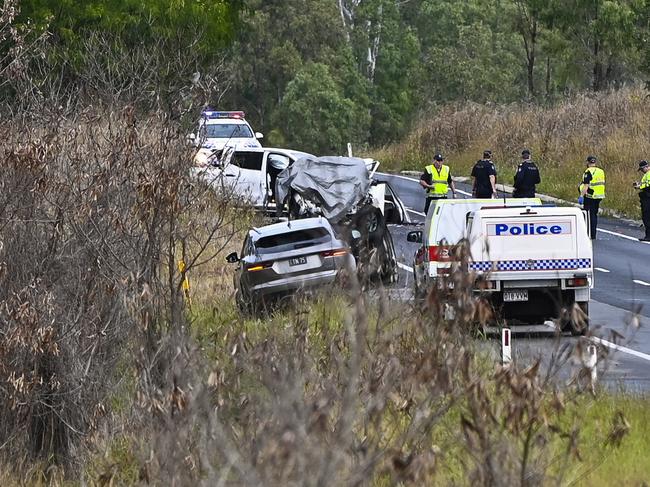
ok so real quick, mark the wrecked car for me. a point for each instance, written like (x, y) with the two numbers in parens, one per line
(342, 190)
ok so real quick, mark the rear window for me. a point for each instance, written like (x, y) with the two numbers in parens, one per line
(298, 239)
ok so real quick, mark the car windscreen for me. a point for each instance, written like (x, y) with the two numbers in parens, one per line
(227, 130)
(293, 240)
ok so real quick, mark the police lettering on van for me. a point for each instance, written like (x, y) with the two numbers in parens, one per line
(526, 229)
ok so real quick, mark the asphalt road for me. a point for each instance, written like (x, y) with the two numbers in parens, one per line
(622, 287)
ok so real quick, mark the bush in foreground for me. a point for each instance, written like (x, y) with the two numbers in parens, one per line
(110, 376)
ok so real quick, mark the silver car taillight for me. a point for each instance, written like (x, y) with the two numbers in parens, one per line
(334, 253)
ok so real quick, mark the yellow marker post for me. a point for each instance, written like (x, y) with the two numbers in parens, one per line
(186, 281)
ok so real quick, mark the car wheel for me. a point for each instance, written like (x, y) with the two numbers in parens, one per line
(244, 304)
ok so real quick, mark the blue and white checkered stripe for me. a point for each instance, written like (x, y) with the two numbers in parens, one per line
(530, 265)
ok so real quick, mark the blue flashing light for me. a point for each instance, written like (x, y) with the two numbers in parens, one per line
(212, 114)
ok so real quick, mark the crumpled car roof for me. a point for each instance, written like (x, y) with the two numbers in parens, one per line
(334, 184)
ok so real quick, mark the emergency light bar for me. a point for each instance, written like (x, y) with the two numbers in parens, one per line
(214, 114)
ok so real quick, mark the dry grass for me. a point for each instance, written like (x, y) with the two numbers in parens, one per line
(345, 390)
(613, 126)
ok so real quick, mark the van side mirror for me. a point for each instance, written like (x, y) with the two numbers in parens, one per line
(415, 237)
(259, 135)
(232, 258)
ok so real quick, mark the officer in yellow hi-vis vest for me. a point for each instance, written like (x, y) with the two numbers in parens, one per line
(592, 192)
(644, 196)
(436, 179)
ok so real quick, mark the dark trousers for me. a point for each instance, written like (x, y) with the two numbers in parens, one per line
(645, 215)
(592, 205)
(523, 193)
(430, 199)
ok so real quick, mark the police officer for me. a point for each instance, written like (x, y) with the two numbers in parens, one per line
(592, 192)
(484, 177)
(644, 196)
(526, 177)
(436, 179)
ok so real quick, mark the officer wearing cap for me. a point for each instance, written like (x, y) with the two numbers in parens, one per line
(592, 192)
(526, 177)
(484, 177)
(644, 196)
(436, 179)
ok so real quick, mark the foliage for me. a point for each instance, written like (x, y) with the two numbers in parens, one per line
(390, 60)
(97, 209)
(315, 114)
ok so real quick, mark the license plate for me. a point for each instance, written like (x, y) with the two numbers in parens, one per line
(298, 261)
(516, 295)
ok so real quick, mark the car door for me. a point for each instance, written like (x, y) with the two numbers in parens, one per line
(246, 176)
(274, 164)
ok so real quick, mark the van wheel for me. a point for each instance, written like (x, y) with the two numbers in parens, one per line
(577, 321)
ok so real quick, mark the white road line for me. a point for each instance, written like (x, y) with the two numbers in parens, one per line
(601, 269)
(613, 346)
(642, 283)
(416, 212)
(463, 192)
(620, 348)
(405, 267)
(627, 237)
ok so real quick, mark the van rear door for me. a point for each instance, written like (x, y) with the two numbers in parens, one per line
(529, 236)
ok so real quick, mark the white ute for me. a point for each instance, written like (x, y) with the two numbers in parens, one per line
(533, 264)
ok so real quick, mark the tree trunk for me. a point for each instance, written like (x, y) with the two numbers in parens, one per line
(530, 58)
(528, 31)
(598, 68)
(548, 77)
(598, 65)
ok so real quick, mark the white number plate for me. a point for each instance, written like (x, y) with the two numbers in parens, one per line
(297, 261)
(515, 295)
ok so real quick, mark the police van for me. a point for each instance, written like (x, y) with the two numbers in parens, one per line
(445, 227)
(533, 264)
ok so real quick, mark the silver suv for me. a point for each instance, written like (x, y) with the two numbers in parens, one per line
(278, 260)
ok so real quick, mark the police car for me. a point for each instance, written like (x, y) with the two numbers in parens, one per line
(218, 129)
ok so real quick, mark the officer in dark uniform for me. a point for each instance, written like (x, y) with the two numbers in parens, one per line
(644, 195)
(526, 177)
(484, 177)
